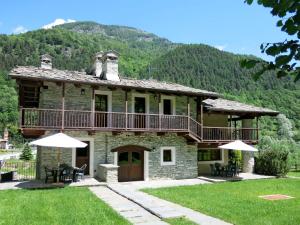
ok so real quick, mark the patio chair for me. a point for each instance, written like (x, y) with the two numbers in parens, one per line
(66, 173)
(79, 172)
(218, 167)
(49, 173)
(213, 170)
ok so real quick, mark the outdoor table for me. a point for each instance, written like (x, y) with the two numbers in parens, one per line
(56, 173)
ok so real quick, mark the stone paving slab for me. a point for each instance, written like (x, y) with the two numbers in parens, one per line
(40, 184)
(162, 208)
(126, 208)
(242, 176)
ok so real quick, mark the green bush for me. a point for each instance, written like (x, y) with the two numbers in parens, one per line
(26, 153)
(273, 157)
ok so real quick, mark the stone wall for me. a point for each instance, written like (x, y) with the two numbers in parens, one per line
(50, 98)
(103, 142)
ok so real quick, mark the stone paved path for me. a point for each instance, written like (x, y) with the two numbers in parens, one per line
(162, 208)
(128, 209)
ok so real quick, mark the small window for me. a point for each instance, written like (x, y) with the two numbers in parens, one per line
(167, 107)
(209, 155)
(167, 156)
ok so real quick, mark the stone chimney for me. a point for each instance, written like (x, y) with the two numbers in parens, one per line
(46, 62)
(98, 64)
(110, 66)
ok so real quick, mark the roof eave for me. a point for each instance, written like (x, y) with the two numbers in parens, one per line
(17, 76)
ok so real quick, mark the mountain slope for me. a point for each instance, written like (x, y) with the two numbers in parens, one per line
(114, 31)
(205, 67)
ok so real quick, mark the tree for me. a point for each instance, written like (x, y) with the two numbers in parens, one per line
(285, 128)
(26, 153)
(286, 53)
(8, 103)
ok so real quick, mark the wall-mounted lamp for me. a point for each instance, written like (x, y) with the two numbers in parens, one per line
(82, 92)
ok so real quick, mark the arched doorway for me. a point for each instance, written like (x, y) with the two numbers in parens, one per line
(130, 162)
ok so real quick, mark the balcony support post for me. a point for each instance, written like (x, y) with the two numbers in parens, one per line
(93, 110)
(231, 130)
(21, 117)
(63, 108)
(257, 128)
(201, 121)
(160, 110)
(126, 110)
(188, 111)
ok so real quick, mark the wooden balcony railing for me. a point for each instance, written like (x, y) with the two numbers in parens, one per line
(32, 118)
(229, 134)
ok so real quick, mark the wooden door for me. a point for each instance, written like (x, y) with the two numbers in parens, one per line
(83, 157)
(131, 165)
(101, 109)
(140, 108)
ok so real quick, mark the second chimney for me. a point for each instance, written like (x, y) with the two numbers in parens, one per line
(46, 62)
(110, 66)
(98, 64)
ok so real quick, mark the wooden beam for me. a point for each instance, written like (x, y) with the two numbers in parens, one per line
(63, 107)
(112, 88)
(126, 110)
(95, 87)
(77, 85)
(161, 133)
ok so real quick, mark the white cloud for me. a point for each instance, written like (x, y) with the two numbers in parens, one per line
(19, 30)
(220, 47)
(57, 22)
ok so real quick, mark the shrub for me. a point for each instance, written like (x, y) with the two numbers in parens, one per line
(26, 153)
(273, 157)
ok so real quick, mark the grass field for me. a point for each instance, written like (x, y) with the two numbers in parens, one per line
(68, 206)
(294, 173)
(238, 202)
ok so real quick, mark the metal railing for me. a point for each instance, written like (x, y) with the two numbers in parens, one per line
(18, 170)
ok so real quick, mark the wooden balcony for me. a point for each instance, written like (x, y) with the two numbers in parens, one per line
(56, 119)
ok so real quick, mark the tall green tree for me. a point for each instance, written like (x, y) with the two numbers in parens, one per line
(8, 102)
(26, 153)
(286, 53)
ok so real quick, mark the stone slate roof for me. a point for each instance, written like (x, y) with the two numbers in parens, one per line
(55, 75)
(224, 105)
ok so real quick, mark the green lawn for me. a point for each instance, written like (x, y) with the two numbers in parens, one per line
(238, 202)
(67, 206)
(294, 173)
(180, 221)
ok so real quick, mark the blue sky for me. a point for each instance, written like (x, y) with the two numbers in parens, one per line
(230, 25)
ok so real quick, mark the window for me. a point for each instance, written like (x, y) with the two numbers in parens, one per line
(167, 156)
(209, 155)
(29, 96)
(167, 107)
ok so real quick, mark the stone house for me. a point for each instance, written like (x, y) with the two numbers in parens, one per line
(135, 129)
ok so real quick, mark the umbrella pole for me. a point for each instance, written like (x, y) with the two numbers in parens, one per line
(58, 164)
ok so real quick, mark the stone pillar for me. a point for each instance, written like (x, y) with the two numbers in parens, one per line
(108, 173)
(248, 162)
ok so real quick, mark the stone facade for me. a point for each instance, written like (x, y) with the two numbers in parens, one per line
(75, 99)
(103, 142)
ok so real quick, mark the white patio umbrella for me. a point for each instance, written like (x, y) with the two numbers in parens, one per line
(59, 140)
(238, 145)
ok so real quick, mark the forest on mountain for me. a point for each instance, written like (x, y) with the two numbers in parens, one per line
(145, 55)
